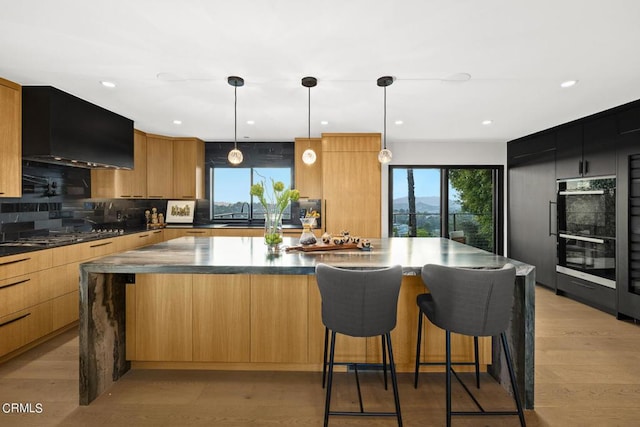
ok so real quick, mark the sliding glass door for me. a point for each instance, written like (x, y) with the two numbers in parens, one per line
(462, 203)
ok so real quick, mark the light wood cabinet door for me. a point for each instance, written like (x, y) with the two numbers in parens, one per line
(164, 317)
(308, 177)
(19, 264)
(159, 167)
(10, 139)
(351, 184)
(121, 183)
(188, 168)
(279, 319)
(221, 318)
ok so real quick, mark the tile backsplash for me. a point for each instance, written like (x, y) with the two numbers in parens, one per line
(58, 198)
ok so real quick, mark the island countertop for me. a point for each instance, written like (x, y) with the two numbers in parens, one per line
(248, 255)
(103, 282)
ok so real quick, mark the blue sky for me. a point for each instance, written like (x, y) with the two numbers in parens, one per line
(427, 182)
(232, 184)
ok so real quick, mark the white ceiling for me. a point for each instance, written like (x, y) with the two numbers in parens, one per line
(170, 60)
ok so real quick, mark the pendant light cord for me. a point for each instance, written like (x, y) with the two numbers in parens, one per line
(385, 118)
(235, 117)
(309, 121)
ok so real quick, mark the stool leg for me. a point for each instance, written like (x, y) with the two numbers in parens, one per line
(384, 361)
(327, 403)
(477, 361)
(415, 375)
(448, 375)
(324, 359)
(394, 379)
(514, 385)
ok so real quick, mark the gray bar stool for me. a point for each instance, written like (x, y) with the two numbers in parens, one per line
(360, 303)
(476, 303)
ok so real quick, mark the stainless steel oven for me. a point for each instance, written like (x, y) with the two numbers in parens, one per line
(587, 229)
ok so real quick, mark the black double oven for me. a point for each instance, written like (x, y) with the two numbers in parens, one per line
(587, 229)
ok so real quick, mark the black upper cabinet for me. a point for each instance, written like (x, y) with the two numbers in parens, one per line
(629, 120)
(586, 150)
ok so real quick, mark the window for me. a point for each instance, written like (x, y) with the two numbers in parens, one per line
(464, 203)
(229, 186)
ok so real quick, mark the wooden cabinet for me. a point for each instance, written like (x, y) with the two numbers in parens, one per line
(308, 178)
(353, 159)
(159, 167)
(163, 317)
(587, 148)
(188, 168)
(124, 184)
(138, 240)
(10, 139)
(221, 318)
(532, 207)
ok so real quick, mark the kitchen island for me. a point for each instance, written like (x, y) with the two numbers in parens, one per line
(224, 303)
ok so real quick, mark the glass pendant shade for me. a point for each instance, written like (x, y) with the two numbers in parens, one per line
(235, 157)
(309, 156)
(384, 156)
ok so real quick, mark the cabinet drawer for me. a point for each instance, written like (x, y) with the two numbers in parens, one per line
(18, 265)
(83, 251)
(65, 310)
(18, 293)
(19, 329)
(589, 293)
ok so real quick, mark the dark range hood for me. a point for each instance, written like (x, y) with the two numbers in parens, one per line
(63, 129)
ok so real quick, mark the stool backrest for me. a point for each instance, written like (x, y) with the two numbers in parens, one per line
(359, 303)
(471, 301)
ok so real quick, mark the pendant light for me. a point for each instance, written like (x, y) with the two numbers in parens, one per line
(235, 156)
(384, 156)
(309, 156)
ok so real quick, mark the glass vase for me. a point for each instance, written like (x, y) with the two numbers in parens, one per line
(273, 231)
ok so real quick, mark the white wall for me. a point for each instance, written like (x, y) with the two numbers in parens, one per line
(438, 154)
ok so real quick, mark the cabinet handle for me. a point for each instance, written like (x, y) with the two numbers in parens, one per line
(195, 232)
(14, 262)
(14, 284)
(580, 167)
(324, 214)
(551, 202)
(157, 232)
(586, 167)
(14, 320)
(125, 195)
(583, 285)
(143, 236)
(100, 244)
(138, 196)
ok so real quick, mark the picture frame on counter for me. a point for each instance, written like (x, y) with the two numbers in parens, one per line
(180, 211)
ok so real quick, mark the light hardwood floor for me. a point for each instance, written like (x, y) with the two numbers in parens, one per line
(587, 374)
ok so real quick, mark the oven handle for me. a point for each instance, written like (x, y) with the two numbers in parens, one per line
(584, 239)
(580, 193)
(551, 233)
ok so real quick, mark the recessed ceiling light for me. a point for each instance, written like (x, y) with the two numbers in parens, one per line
(251, 122)
(324, 123)
(398, 122)
(487, 122)
(177, 122)
(568, 83)
(108, 84)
